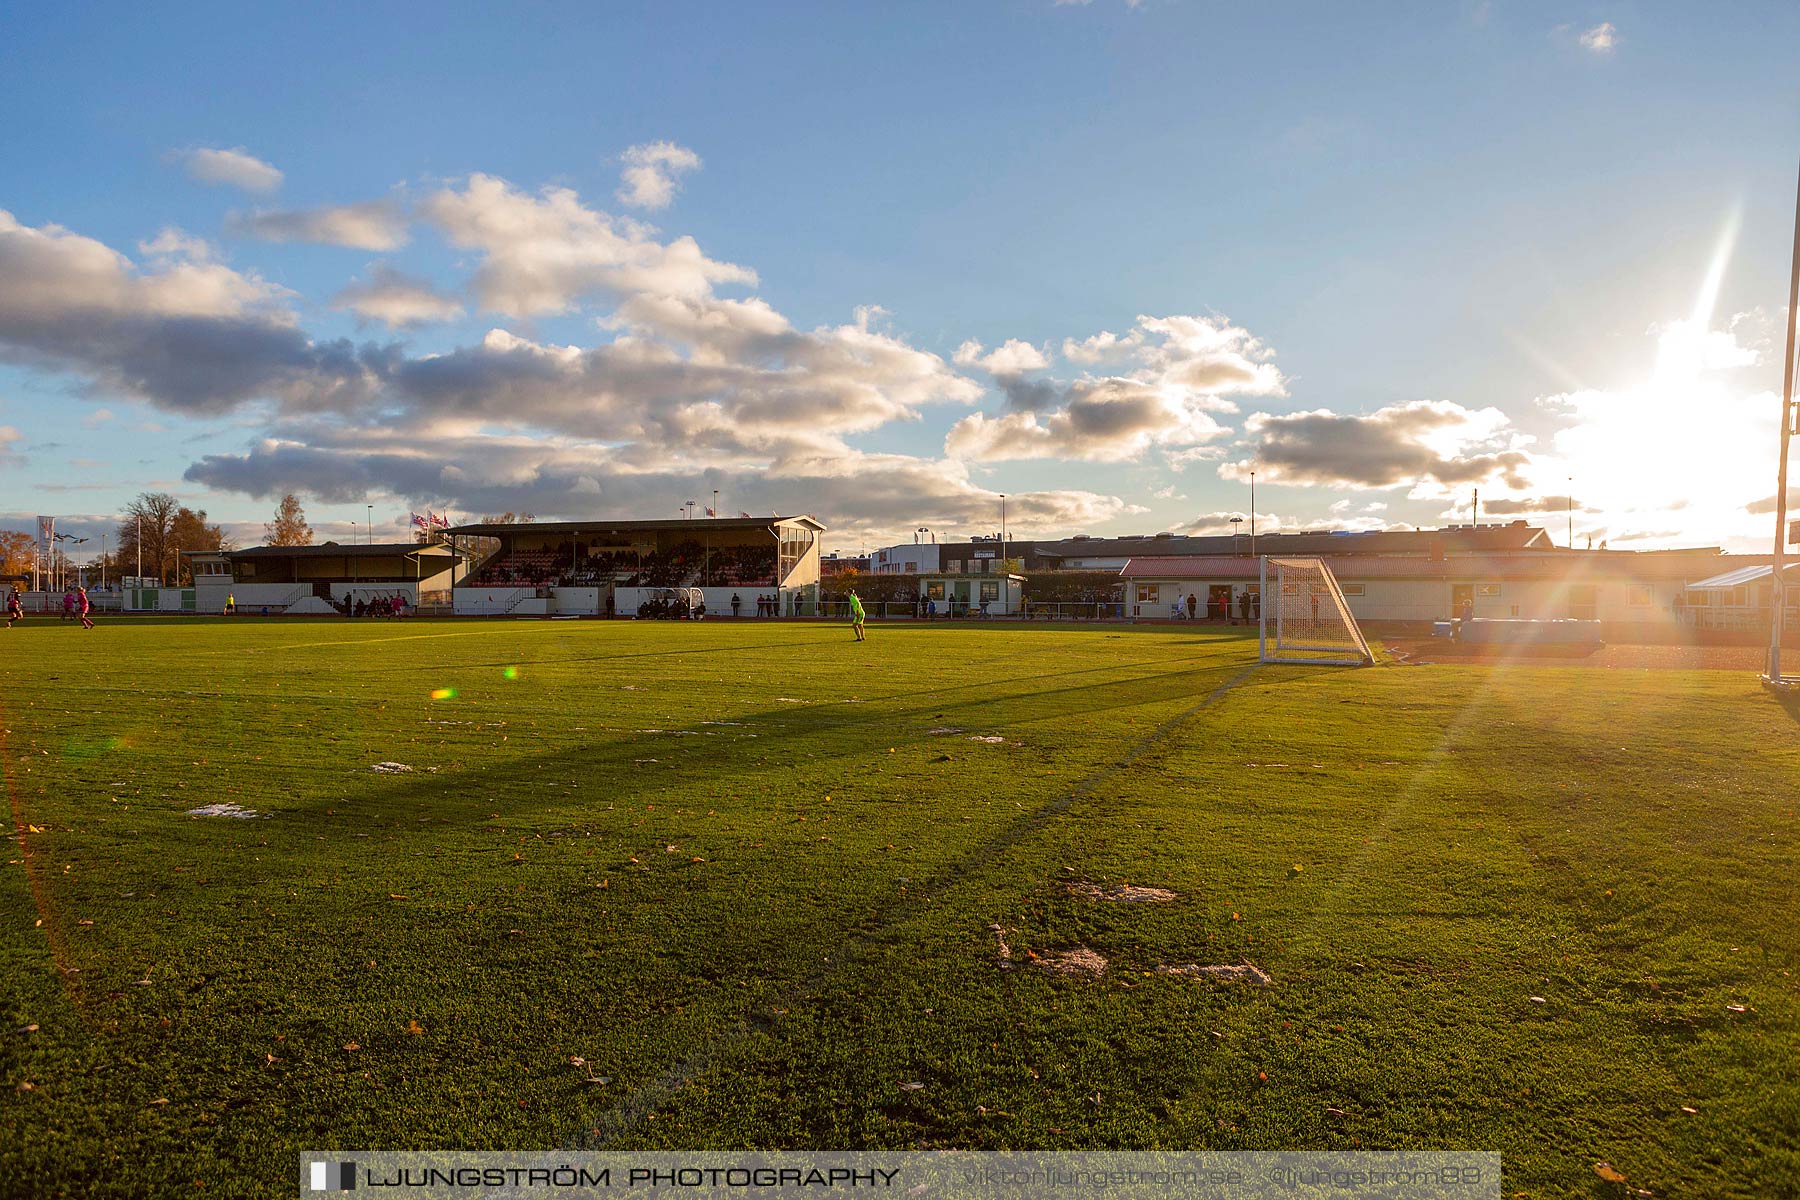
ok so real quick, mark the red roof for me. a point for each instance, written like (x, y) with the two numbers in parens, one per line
(1599, 565)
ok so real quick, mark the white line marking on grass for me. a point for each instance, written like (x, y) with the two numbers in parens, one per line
(408, 637)
(624, 1117)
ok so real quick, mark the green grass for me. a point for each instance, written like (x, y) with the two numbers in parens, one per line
(756, 929)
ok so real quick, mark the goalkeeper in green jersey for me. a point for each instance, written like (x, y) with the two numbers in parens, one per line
(857, 617)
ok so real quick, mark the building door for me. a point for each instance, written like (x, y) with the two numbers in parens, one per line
(1584, 602)
(1461, 594)
(962, 597)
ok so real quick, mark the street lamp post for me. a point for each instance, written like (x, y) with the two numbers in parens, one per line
(1003, 553)
(371, 514)
(1235, 544)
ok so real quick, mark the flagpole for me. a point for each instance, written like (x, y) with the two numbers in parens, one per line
(1778, 591)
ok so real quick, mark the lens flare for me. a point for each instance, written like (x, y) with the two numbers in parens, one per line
(444, 694)
(510, 673)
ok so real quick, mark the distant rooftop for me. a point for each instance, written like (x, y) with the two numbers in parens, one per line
(1456, 539)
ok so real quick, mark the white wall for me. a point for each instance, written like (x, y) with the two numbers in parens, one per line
(577, 601)
(210, 593)
(499, 601)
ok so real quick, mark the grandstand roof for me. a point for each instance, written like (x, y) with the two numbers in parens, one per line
(501, 528)
(1739, 576)
(339, 550)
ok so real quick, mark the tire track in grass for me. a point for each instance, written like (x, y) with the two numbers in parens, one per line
(625, 1117)
(40, 895)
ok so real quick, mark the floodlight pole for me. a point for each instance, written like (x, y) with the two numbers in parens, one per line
(1777, 593)
(1253, 514)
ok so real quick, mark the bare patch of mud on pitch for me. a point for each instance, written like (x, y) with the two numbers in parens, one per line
(1080, 963)
(225, 810)
(1125, 893)
(1242, 973)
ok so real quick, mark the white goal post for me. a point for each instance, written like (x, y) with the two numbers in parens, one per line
(1304, 617)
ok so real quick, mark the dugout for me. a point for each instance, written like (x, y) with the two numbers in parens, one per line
(610, 568)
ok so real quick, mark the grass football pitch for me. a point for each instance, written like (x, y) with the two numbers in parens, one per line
(719, 885)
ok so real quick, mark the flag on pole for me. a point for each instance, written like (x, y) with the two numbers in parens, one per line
(711, 513)
(440, 522)
(419, 521)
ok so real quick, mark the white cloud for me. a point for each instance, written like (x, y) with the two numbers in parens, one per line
(397, 300)
(650, 174)
(1601, 39)
(1102, 420)
(234, 168)
(10, 437)
(1430, 442)
(97, 418)
(1176, 370)
(544, 253)
(1220, 522)
(173, 243)
(371, 225)
(192, 336)
(1013, 358)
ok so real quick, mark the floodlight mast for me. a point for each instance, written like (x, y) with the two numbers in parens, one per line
(1778, 592)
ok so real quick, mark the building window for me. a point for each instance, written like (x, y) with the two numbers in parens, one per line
(990, 591)
(934, 591)
(1640, 595)
(1148, 593)
(1351, 589)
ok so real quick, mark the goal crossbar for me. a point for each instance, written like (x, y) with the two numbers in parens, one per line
(1304, 617)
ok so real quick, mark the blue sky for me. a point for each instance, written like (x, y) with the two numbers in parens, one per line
(1383, 255)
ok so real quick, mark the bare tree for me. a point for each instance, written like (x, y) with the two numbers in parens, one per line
(148, 524)
(289, 527)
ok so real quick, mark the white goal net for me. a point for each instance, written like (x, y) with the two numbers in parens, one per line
(1304, 617)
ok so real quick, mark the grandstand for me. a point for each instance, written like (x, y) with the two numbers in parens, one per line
(598, 568)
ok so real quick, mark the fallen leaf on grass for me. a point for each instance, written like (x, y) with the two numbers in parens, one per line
(25, 1085)
(1692, 1112)
(1608, 1172)
(413, 1027)
(1735, 1008)
(1537, 999)
(912, 1085)
(160, 1100)
(351, 1046)
(397, 896)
